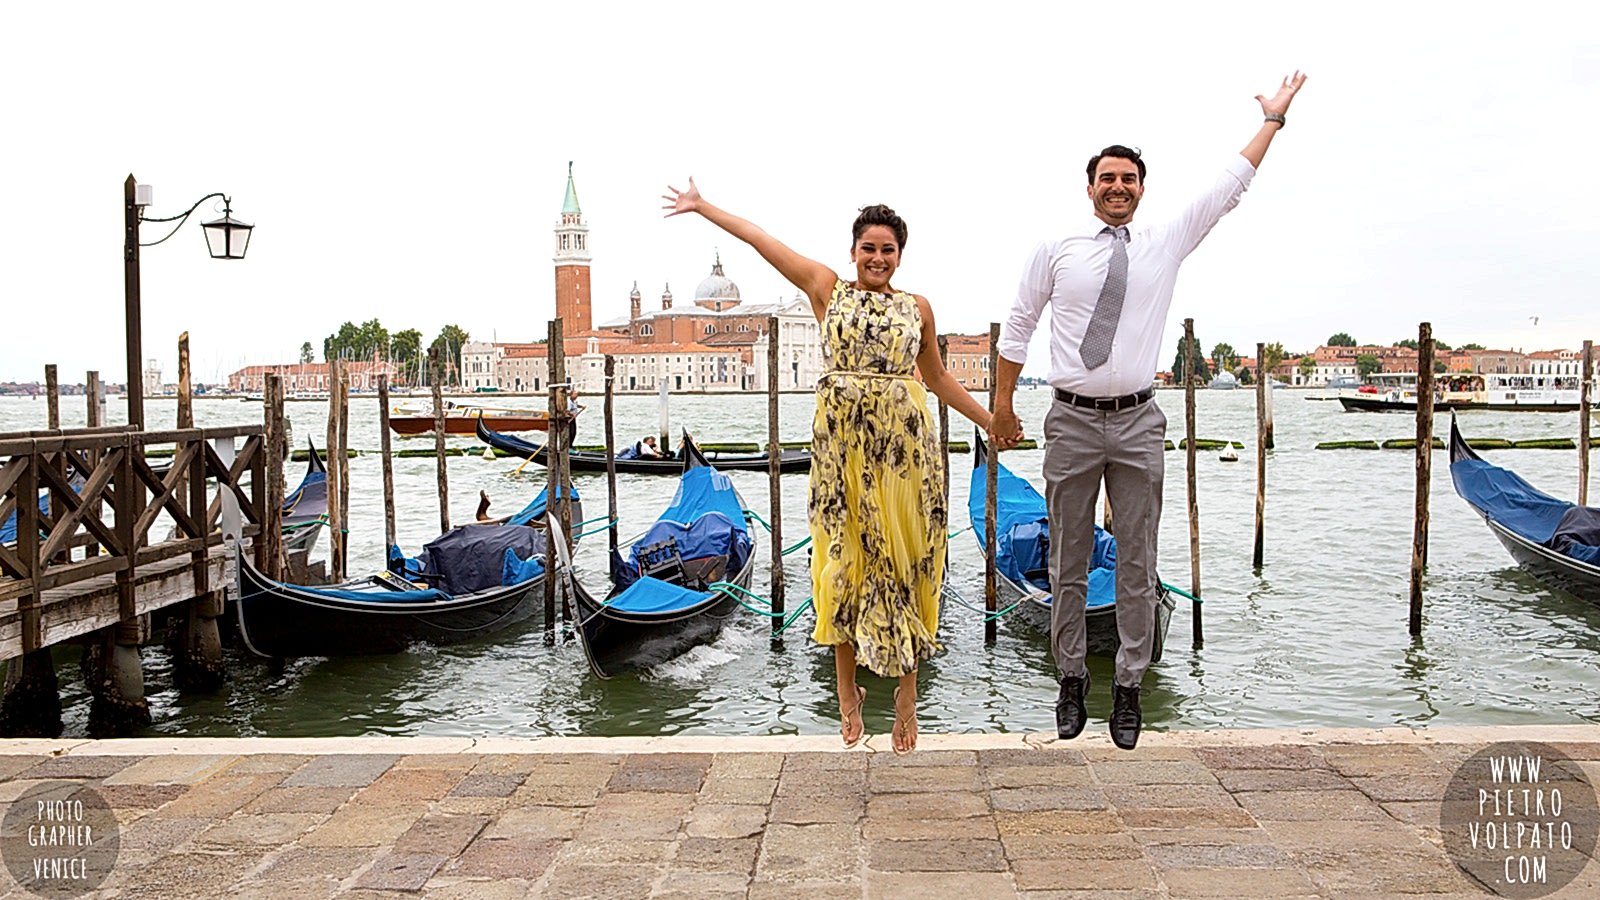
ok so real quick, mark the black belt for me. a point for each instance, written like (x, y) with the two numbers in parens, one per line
(1105, 404)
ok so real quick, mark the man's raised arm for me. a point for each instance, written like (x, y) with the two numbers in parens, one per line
(1275, 108)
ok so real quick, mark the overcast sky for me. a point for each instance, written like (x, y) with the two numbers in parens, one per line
(408, 161)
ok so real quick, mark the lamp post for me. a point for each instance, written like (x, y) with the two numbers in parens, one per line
(226, 238)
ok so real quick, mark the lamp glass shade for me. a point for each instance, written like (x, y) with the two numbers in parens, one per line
(227, 237)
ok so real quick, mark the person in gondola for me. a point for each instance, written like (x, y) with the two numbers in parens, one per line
(646, 448)
(876, 498)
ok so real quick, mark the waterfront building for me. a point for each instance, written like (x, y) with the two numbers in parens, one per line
(310, 378)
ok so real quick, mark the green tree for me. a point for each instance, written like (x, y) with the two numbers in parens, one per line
(1471, 346)
(306, 353)
(1341, 340)
(405, 350)
(1245, 376)
(339, 344)
(1202, 373)
(1408, 343)
(1366, 364)
(1440, 345)
(448, 343)
(1439, 368)
(1308, 366)
(1224, 357)
(1271, 357)
(372, 341)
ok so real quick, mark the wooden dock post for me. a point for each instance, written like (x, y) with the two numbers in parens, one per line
(1263, 420)
(336, 522)
(52, 397)
(774, 482)
(1419, 538)
(97, 402)
(389, 536)
(197, 664)
(611, 451)
(435, 375)
(1189, 464)
(1585, 404)
(991, 600)
(269, 548)
(342, 460)
(558, 443)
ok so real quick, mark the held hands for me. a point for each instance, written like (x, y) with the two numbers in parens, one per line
(1278, 103)
(682, 201)
(1005, 431)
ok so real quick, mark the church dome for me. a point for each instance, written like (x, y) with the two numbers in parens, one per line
(717, 290)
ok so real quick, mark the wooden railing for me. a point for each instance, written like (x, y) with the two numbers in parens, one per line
(86, 502)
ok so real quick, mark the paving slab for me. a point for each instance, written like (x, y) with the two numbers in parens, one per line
(1279, 813)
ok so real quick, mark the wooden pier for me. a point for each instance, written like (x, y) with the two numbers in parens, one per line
(104, 539)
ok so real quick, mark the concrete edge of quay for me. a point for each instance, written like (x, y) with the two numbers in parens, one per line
(876, 743)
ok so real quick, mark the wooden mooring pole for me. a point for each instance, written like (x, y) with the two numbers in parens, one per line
(96, 398)
(552, 479)
(562, 424)
(991, 600)
(336, 523)
(52, 397)
(1263, 397)
(1585, 404)
(197, 664)
(774, 483)
(1419, 534)
(435, 375)
(269, 551)
(1189, 465)
(341, 458)
(611, 451)
(389, 536)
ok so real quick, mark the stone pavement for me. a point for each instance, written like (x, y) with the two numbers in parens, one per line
(1348, 813)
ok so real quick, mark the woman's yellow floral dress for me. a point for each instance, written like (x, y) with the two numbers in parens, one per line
(876, 502)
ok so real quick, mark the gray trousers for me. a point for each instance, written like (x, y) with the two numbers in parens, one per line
(1125, 449)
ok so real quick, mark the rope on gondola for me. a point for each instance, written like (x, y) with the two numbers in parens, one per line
(987, 616)
(1181, 593)
(584, 534)
(734, 591)
(752, 514)
(313, 523)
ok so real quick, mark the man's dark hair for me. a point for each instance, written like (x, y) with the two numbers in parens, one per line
(1120, 152)
(878, 214)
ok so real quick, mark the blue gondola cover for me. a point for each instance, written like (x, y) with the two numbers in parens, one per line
(1022, 536)
(652, 595)
(535, 510)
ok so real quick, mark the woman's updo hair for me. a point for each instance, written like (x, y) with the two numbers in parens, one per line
(878, 214)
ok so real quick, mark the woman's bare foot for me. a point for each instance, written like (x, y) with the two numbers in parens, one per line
(904, 737)
(851, 725)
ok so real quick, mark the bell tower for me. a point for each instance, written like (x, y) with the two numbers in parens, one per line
(572, 265)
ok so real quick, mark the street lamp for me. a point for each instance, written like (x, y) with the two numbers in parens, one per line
(226, 238)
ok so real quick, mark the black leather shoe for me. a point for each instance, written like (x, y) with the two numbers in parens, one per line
(1125, 716)
(1070, 714)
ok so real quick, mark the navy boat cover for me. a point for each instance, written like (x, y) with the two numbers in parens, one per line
(1505, 498)
(706, 519)
(1022, 536)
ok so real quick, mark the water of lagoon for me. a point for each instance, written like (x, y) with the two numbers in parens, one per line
(1317, 638)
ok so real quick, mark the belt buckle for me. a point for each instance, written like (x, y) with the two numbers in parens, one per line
(1107, 404)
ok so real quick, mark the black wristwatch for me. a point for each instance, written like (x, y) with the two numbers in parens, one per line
(1277, 117)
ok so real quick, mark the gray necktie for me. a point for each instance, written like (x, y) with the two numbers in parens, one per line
(1096, 346)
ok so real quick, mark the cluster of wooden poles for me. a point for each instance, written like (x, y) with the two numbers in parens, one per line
(559, 489)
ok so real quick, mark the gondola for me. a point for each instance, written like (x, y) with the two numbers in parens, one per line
(595, 461)
(662, 600)
(1556, 541)
(1022, 559)
(468, 583)
(306, 509)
